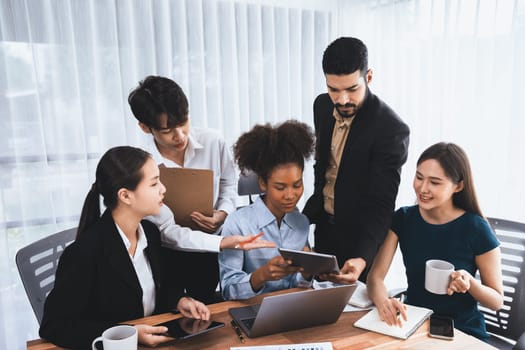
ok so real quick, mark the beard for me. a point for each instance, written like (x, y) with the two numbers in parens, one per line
(351, 109)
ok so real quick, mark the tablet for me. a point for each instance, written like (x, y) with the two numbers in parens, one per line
(185, 327)
(311, 262)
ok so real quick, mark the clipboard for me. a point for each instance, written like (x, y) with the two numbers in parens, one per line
(187, 190)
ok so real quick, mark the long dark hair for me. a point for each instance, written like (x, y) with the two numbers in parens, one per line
(456, 166)
(264, 147)
(120, 167)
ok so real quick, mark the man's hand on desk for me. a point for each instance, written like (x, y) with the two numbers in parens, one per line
(350, 272)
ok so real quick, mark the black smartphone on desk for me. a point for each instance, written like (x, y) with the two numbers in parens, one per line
(186, 327)
(441, 327)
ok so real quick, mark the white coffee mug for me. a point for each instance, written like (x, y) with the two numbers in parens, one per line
(118, 338)
(437, 276)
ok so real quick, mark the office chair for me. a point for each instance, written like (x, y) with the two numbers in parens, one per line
(37, 264)
(509, 322)
(248, 185)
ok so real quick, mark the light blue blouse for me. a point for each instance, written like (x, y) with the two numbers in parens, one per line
(236, 266)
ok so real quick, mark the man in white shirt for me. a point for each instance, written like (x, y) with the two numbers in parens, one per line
(161, 108)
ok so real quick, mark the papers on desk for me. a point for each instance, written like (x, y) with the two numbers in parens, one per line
(415, 317)
(359, 300)
(305, 346)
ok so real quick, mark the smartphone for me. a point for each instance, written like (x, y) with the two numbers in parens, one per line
(186, 327)
(441, 327)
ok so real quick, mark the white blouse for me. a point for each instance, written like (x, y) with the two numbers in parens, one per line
(142, 269)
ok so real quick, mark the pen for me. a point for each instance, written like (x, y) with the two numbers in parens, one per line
(250, 240)
(237, 330)
(401, 300)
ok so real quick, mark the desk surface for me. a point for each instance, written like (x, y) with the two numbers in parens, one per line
(342, 334)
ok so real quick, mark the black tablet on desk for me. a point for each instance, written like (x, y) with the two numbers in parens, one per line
(185, 327)
(311, 262)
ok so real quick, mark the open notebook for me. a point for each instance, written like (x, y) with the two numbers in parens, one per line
(415, 317)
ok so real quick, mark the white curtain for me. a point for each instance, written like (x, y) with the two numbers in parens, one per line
(67, 67)
(453, 70)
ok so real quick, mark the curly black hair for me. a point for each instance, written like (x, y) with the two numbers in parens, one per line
(264, 147)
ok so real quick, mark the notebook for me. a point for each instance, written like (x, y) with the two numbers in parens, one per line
(415, 317)
(285, 312)
(187, 190)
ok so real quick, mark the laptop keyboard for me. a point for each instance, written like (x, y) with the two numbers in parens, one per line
(248, 322)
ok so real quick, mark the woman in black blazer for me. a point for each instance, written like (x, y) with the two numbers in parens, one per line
(114, 270)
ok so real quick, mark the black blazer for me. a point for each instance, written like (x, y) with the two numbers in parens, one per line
(96, 286)
(367, 181)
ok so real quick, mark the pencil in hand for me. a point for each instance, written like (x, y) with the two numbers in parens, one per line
(249, 240)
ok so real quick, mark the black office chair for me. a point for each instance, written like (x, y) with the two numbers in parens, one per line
(248, 185)
(509, 322)
(37, 264)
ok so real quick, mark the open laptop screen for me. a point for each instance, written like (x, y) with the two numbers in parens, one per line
(284, 312)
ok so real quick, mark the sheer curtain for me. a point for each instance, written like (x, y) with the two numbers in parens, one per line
(453, 70)
(450, 68)
(67, 66)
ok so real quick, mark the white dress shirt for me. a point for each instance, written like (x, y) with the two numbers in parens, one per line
(207, 150)
(142, 269)
(182, 238)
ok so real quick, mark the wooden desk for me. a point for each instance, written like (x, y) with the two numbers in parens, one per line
(342, 334)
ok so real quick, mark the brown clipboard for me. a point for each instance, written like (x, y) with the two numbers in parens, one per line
(187, 190)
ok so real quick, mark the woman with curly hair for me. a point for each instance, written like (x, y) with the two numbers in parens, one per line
(276, 154)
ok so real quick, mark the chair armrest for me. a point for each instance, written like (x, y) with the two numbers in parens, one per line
(520, 344)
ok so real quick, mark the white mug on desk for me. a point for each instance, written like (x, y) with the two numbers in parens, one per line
(118, 338)
(437, 276)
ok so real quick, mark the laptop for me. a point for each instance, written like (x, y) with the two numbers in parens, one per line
(187, 190)
(285, 312)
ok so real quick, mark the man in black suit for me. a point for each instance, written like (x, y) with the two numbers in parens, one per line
(360, 148)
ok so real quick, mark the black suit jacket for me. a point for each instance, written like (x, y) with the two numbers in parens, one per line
(367, 180)
(96, 286)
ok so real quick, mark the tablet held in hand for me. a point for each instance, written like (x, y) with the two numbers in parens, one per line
(311, 262)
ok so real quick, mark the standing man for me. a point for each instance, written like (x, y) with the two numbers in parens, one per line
(161, 108)
(360, 148)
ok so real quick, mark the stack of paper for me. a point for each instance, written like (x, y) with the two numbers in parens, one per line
(359, 298)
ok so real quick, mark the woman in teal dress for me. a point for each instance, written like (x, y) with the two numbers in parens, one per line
(446, 224)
